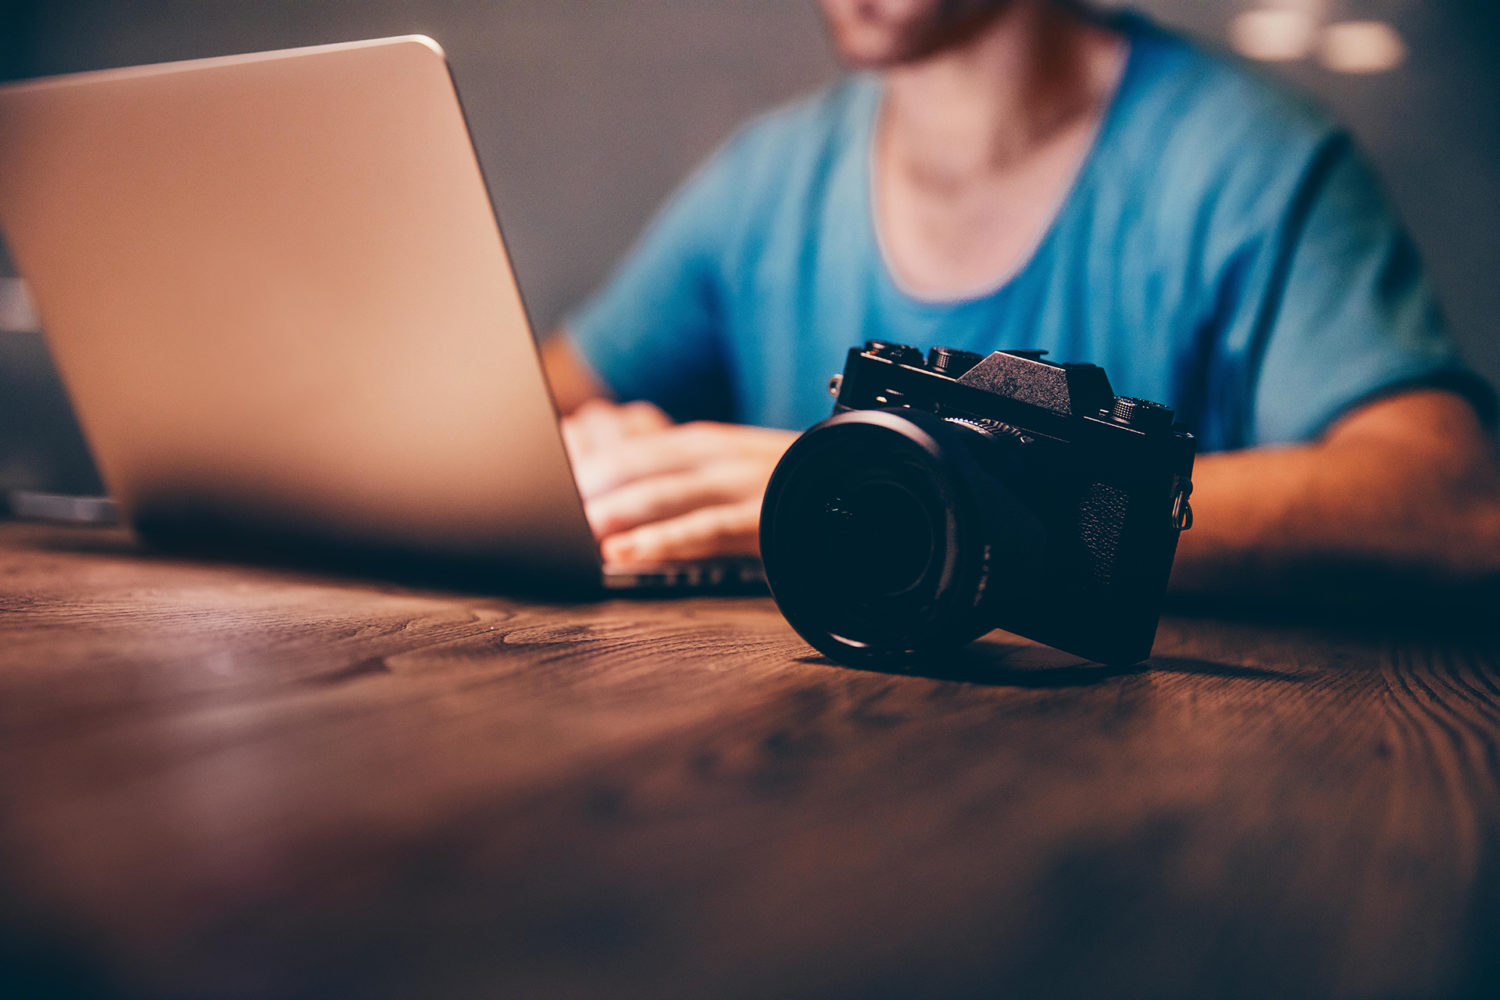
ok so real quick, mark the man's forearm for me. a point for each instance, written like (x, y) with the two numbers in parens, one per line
(1405, 490)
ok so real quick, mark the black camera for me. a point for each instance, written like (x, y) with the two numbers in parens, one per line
(954, 494)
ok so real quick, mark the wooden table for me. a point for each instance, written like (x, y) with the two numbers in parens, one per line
(219, 780)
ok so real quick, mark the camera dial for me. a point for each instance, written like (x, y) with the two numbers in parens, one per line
(1141, 414)
(951, 361)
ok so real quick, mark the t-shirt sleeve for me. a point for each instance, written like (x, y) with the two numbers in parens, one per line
(1337, 310)
(653, 331)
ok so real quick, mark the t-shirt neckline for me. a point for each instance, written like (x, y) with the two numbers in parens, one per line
(893, 290)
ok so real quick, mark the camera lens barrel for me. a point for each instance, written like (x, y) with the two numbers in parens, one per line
(891, 533)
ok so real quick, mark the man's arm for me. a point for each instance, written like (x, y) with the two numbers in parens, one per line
(1401, 491)
(1403, 488)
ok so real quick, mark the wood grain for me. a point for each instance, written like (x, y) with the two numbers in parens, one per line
(220, 780)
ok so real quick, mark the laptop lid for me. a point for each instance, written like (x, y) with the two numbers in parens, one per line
(279, 297)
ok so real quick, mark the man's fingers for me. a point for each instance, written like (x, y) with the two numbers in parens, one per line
(676, 449)
(658, 498)
(726, 529)
(586, 426)
(682, 492)
(637, 418)
(598, 423)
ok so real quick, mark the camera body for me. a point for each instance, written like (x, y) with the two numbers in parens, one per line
(952, 494)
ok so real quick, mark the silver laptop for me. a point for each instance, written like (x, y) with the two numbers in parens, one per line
(277, 292)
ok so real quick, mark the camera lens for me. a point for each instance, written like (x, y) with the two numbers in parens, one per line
(879, 529)
(888, 533)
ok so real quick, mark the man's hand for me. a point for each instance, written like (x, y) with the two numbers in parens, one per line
(655, 491)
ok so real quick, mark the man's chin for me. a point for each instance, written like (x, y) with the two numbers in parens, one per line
(883, 54)
(870, 58)
(947, 26)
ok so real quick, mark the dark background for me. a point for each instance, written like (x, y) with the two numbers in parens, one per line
(586, 113)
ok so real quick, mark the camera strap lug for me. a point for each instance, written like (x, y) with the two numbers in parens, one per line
(1182, 512)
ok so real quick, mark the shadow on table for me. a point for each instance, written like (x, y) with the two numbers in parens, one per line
(997, 663)
(324, 560)
(1403, 609)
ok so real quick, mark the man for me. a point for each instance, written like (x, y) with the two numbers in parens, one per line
(1016, 173)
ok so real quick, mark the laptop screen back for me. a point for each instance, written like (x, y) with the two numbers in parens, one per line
(278, 294)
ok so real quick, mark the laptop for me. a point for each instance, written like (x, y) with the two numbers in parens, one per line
(276, 289)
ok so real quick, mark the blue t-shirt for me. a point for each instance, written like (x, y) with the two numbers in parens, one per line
(1224, 249)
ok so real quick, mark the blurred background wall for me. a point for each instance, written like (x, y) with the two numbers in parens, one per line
(586, 112)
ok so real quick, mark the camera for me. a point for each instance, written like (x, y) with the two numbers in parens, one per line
(951, 494)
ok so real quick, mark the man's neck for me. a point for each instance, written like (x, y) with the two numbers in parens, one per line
(971, 113)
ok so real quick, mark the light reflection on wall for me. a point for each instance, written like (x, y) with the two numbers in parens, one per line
(1290, 30)
(1361, 47)
(1275, 34)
